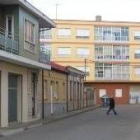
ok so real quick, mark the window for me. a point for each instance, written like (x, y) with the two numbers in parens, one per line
(82, 68)
(118, 92)
(29, 36)
(137, 35)
(137, 71)
(99, 54)
(125, 72)
(108, 34)
(45, 53)
(82, 33)
(117, 71)
(10, 25)
(46, 47)
(83, 52)
(111, 71)
(63, 33)
(64, 51)
(46, 34)
(57, 87)
(118, 52)
(107, 71)
(137, 54)
(107, 52)
(102, 92)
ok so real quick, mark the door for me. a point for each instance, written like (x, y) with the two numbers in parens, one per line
(12, 100)
(135, 95)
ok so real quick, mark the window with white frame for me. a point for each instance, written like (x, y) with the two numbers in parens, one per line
(83, 52)
(118, 52)
(109, 33)
(111, 71)
(46, 34)
(64, 51)
(46, 51)
(46, 47)
(125, 72)
(118, 93)
(137, 54)
(137, 71)
(99, 52)
(29, 36)
(82, 68)
(64, 33)
(137, 35)
(82, 33)
(102, 92)
(117, 71)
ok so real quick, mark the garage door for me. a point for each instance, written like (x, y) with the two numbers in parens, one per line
(135, 95)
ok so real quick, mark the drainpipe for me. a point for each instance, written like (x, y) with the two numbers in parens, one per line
(42, 94)
(51, 100)
(67, 92)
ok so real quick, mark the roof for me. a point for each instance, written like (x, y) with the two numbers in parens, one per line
(94, 21)
(44, 21)
(71, 69)
(58, 67)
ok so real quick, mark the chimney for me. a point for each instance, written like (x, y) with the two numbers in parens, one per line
(98, 18)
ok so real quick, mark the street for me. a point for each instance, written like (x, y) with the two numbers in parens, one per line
(92, 125)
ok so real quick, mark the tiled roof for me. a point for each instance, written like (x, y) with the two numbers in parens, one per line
(58, 67)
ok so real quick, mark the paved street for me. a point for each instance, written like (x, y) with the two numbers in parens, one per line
(93, 125)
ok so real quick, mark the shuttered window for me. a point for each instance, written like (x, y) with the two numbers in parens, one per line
(63, 33)
(64, 51)
(82, 33)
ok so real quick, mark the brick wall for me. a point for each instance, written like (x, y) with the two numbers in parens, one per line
(110, 90)
(38, 96)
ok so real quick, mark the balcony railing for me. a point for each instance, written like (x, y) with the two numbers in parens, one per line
(101, 76)
(111, 38)
(44, 55)
(9, 42)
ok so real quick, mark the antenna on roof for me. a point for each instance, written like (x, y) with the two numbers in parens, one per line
(56, 6)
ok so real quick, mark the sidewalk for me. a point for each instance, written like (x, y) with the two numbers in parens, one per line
(27, 126)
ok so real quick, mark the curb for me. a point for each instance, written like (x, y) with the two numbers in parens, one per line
(70, 115)
(4, 133)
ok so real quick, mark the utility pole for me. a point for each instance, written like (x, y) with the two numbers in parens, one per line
(85, 68)
(56, 5)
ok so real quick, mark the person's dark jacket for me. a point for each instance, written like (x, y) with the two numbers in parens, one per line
(111, 102)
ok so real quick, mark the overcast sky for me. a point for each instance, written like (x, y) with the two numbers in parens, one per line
(115, 10)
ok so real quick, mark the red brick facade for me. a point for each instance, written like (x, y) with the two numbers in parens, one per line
(110, 90)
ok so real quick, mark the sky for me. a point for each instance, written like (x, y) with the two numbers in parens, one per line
(112, 10)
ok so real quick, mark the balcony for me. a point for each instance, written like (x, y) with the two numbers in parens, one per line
(44, 55)
(9, 42)
(111, 39)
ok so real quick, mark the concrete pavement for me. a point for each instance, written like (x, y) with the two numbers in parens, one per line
(56, 117)
(93, 125)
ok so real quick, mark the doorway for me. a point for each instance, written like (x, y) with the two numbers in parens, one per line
(14, 98)
(134, 95)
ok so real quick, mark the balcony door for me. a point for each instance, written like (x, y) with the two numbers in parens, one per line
(10, 26)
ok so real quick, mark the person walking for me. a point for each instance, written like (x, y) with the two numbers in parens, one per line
(111, 106)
